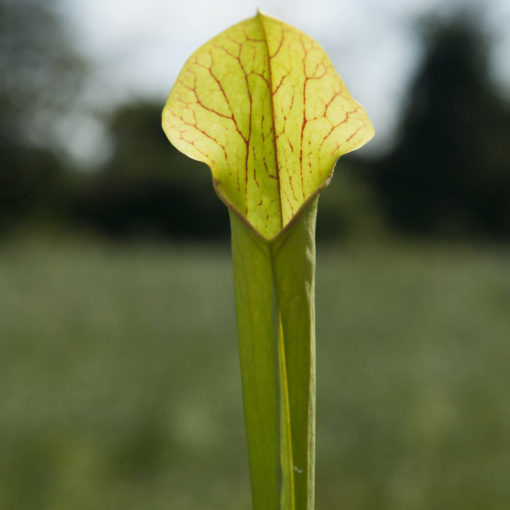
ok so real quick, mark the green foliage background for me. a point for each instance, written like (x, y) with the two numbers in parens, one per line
(447, 174)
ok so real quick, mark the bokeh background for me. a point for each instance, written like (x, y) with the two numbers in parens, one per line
(119, 377)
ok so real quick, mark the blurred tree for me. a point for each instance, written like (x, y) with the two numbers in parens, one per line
(39, 74)
(449, 171)
(31, 186)
(348, 208)
(40, 71)
(147, 187)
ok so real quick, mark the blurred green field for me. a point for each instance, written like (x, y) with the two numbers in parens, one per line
(120, 386)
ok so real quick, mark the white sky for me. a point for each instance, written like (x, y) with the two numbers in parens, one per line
(139, 46)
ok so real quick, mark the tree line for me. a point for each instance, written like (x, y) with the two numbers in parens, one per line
(446, 174)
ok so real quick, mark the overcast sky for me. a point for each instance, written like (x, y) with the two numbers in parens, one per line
(139, 46)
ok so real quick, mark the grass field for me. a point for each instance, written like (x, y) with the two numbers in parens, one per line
(119, 378)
